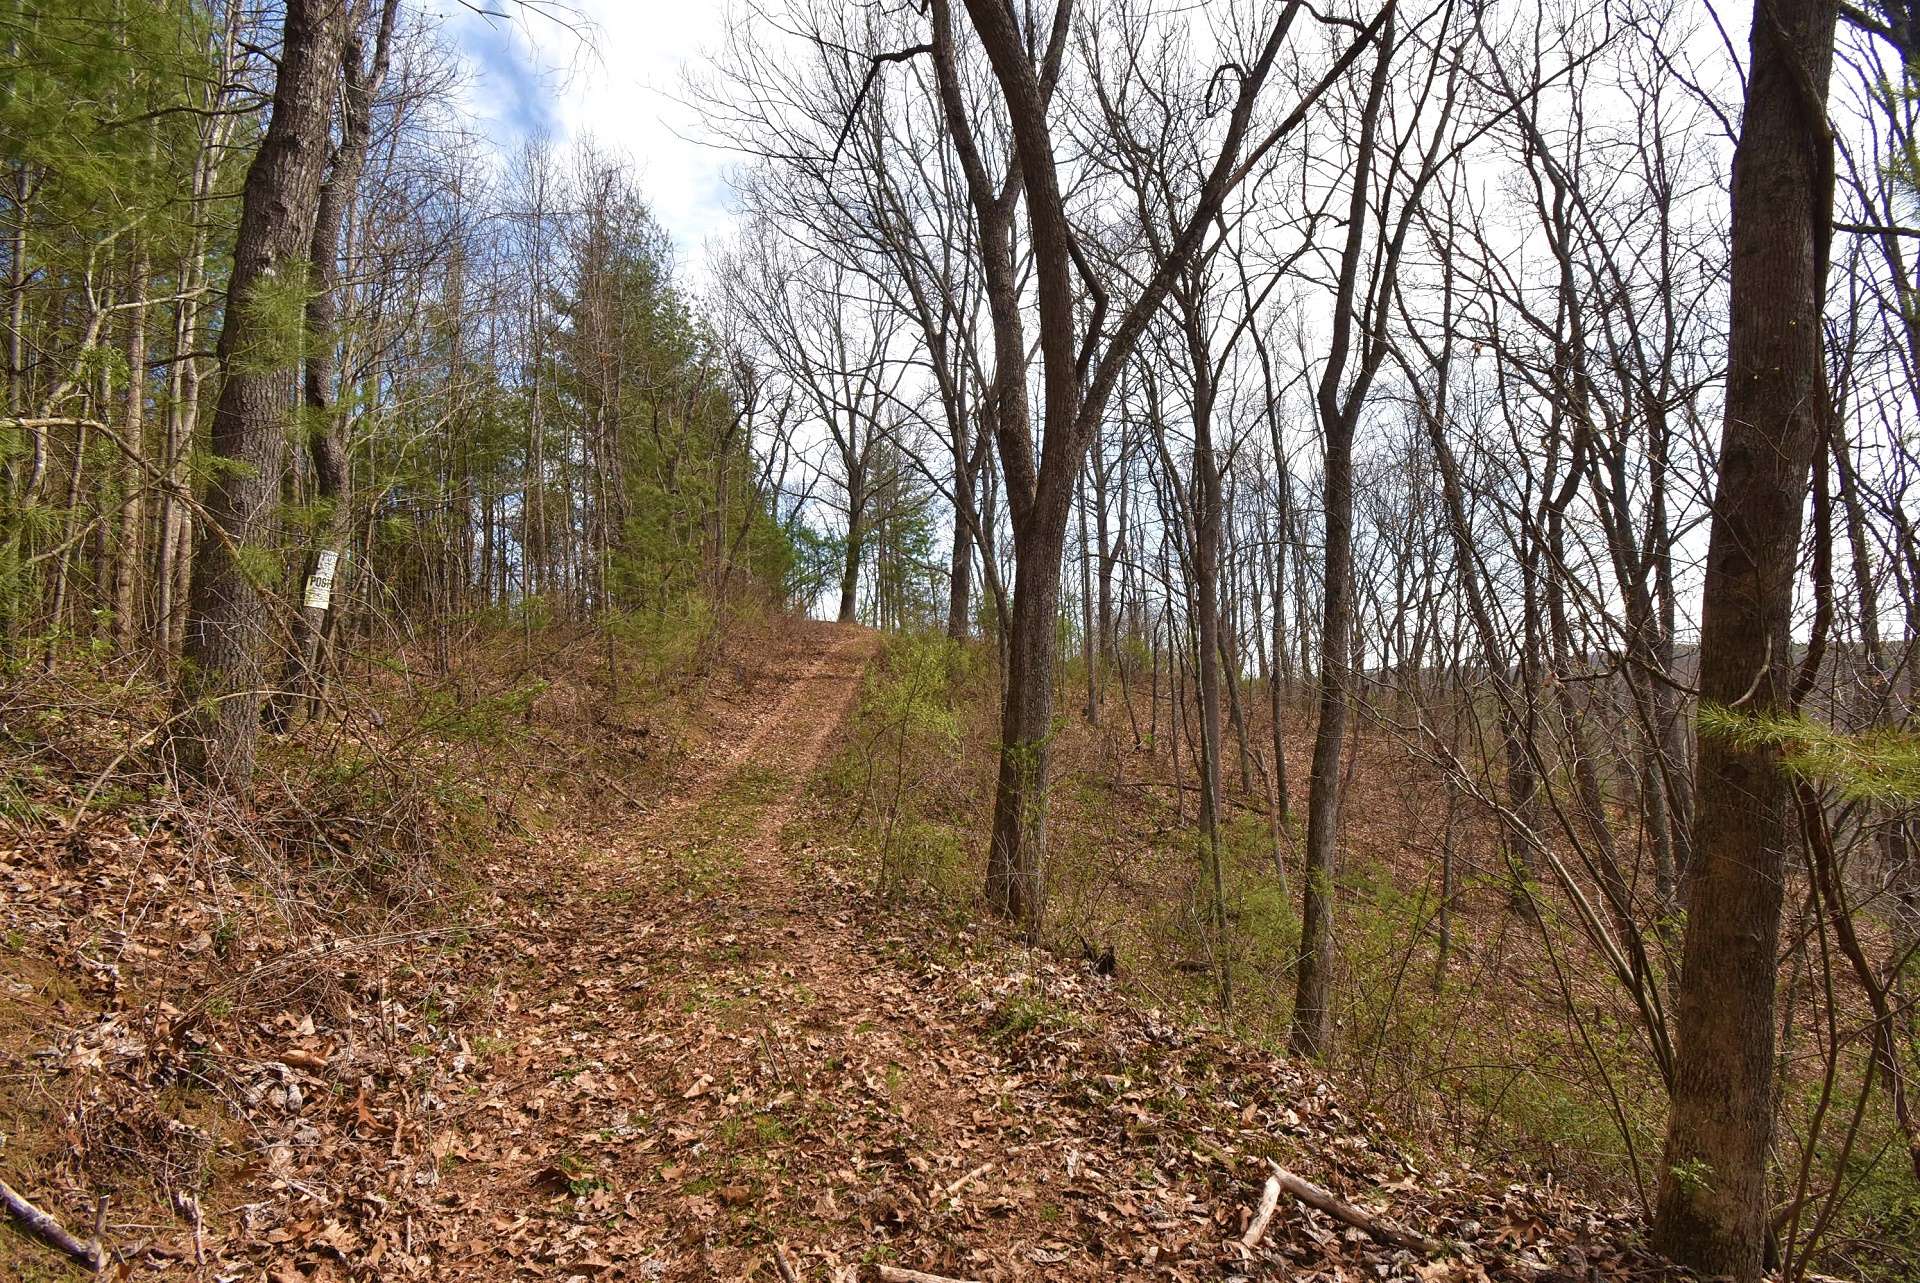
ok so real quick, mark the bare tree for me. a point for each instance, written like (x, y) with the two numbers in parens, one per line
(1412, 153)
(1081, 359)
(1713, 1202)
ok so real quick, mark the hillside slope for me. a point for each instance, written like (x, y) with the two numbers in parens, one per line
(683, 1042)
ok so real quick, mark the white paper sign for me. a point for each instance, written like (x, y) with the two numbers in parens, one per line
(320, 587)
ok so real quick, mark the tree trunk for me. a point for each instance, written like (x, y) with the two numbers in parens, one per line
(1312, 1031)
(227, 614)
(173, 574)
(1712, 1207)
(1109, 552)
(63, 564)
(1206, 574)
(1016, 858)
(1089, 639)
(1236, 710)
(1076, 387)
(960, 576)
(17, 279)
(1277, 665)
(130, 552)
(1339, 410)
(325, 434)
(856, 535)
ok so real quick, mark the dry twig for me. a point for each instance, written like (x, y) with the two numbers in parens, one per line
(1347, 1214)
(1257, 1228)
(895, 1274)
(44, 1227)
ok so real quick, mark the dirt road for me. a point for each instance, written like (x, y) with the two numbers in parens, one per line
(700, 1049)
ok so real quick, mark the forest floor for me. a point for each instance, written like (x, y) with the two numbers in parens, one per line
(683, 1039)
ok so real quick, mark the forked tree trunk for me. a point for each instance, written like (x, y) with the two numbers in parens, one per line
(1076, 387)
(1712, 1207)
(227, 616)
(325, 433)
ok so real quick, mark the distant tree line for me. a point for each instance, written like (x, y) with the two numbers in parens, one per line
(297, 367)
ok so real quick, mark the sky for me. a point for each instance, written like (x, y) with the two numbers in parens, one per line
(621, 85)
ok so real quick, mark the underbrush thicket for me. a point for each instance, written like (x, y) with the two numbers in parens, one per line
(1485, 1032)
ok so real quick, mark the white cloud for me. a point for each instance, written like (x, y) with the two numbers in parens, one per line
(531, 74)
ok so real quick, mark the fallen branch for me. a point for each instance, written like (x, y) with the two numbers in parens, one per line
(968, 1179)
(199, 1230)
(45, 1228)
(100, 1236)
(1257, 1229)
(1347, 1214)
(895, 1274)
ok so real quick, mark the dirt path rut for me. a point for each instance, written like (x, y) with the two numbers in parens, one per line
(714, 1065)
(711, 1054)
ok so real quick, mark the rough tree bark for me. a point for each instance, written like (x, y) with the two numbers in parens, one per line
(130, 551)
(960, 572)
(856, 538)
(326, 441)
(1206, 574)
(220, 687)
(1711, 1213)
